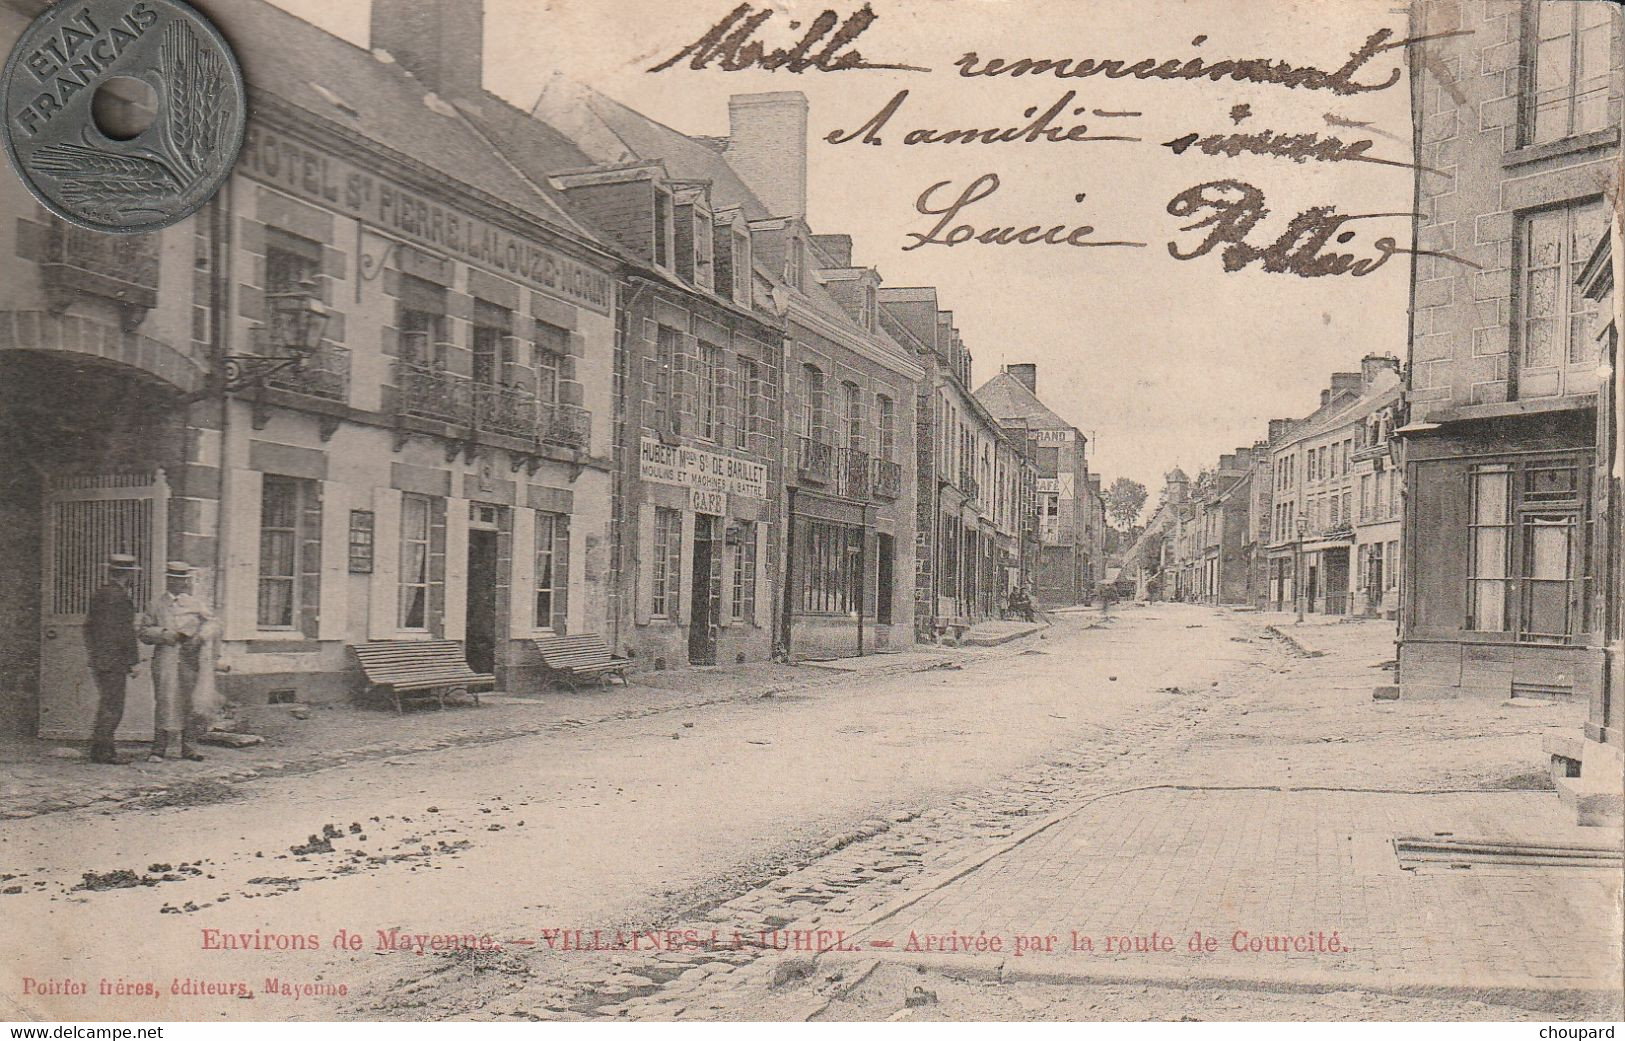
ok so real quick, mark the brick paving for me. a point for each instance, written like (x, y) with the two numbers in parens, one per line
(1301, 864)
(1268, 803)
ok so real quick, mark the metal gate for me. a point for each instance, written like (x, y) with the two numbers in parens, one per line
(87, 517)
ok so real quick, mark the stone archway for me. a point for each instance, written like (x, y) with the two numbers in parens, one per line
(74, 417)
(98, 343)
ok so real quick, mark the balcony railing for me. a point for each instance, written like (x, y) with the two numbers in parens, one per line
(852, 473)
(325, 374)
(123, 268)
(888, 479)
(968, 484)
(430, 392)
(510, 411)
(815, 461)
(563, 426)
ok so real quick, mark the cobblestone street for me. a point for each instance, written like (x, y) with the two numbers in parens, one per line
(1075, 782)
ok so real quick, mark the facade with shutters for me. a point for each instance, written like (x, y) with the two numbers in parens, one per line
(437, 469)
(1500, 581)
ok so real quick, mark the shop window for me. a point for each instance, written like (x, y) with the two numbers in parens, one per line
(414, 571)
(552, 578)
(1489, 578)
(280, 510)
(667, 562)
(361, 542)
(744, 576)
(831, 567)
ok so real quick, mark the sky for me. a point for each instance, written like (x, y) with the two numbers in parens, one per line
(1159, 361)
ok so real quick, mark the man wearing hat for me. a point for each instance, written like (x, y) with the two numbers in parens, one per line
(173, 626)
(110, 639)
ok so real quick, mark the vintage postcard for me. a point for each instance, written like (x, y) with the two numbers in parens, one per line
(811, 510)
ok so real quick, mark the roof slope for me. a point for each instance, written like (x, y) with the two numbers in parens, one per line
(600, 124)
(371, 97)
(1008, 398)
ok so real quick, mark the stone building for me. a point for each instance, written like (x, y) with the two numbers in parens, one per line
(834, 404)
(438, 468)
(960, 575)
(1223, 558)
(1071, 512)
(1521, 148)
(1334, 498)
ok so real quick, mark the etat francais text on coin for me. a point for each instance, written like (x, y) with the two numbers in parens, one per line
(167, 170)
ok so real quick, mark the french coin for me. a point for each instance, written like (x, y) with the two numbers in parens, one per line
(121, 116)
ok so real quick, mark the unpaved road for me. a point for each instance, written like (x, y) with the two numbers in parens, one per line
(622, 822)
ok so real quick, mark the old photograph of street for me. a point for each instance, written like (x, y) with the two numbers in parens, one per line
(906, 511)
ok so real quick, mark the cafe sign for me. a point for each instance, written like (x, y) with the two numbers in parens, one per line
(696, 468)
(336, 184)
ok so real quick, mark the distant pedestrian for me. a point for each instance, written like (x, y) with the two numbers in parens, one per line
(111, 643)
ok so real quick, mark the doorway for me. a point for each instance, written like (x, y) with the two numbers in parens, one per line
(705, 585)
(88, 516)
(1337, 581)
(480, 625)
(885, 547)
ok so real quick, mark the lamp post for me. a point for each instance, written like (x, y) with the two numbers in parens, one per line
(1297, 567)
(297, 322)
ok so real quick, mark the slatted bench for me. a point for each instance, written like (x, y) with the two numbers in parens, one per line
(419, 669)
(583, 658)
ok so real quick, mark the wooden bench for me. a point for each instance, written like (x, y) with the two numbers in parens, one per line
(575, 659)
(419, 668)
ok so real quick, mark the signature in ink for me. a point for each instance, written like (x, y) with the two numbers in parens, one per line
(946, 233)
(731, 45)
(1230, 211)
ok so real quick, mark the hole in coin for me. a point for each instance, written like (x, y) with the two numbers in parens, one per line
(123, 107)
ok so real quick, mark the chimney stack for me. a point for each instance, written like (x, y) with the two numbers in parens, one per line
(441, 42)
(1342, 381)
(1025, 374)
(1325, 396)
(1373, 365)
(838, 248)
(767, 146)
(1278, 429)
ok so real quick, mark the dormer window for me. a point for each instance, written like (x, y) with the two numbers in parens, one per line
(792, 264)
(663, 229)
(704, 275)
(741, 266)
(868, 312)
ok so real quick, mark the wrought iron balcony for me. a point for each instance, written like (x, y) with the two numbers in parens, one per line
(506, 410)
(888, 479)
(325, 374)
(563, 426)
(852, 473)
(815, 461)
(430, 392)
(121, 268)
(968, 483)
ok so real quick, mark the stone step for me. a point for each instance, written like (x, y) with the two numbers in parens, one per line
(1596, 801)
